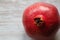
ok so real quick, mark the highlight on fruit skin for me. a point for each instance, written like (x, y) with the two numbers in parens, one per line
(41, 21)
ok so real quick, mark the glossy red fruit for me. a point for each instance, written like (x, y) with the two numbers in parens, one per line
(41, 21)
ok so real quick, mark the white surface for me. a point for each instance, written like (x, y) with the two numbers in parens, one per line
(11, 12)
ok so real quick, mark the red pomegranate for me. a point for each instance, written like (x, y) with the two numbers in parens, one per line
(41, 21)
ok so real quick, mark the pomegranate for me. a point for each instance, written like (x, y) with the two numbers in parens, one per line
(41, 21)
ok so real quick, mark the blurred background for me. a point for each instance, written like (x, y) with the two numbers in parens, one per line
(11, 11)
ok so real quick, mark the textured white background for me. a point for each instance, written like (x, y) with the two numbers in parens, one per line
(11, 12)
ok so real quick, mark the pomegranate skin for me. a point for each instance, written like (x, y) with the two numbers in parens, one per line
(59, 20)
(41, 21)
